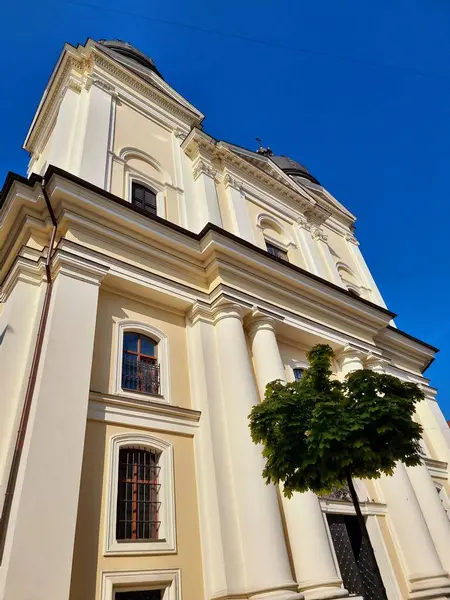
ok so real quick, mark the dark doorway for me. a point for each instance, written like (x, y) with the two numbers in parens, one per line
(139, 595)
(359, 571)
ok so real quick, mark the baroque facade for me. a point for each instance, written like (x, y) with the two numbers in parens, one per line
(153, 280)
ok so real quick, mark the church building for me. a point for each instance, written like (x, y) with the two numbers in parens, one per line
(153, 280)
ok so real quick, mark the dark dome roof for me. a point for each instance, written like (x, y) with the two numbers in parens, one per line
(293, 168)
(131, 53)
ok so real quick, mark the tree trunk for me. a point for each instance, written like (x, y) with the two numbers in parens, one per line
(361, 521)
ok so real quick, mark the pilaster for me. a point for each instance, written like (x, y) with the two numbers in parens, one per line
(240, 216)
(45, 501)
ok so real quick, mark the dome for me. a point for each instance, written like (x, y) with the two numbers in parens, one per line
(293, 168)
(131, 54)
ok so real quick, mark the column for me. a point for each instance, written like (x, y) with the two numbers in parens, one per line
(416, 535)
(39, 545)
(433, 511)
(349, 359)
(240, 217)
(314, 564)
(424, 571)
(255, 552)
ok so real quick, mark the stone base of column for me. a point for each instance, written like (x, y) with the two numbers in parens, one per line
(436, 588)
(277, 595)
(325, 590)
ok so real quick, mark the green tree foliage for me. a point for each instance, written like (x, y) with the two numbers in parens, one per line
(318, 432)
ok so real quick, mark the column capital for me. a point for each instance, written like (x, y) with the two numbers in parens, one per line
(232, 181)
(78, 268)
(225, 309)
(375, 362)
(258, 320)
(350, 359)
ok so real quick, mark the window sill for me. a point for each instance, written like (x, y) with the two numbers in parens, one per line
(142, 396)
(140, 548)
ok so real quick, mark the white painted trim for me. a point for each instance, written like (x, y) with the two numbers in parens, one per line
(163, 359)
(146, 414)
(384, 564)
(371, 510)
(272, 222)
(296, 364)
(166, 544)
(169, 580)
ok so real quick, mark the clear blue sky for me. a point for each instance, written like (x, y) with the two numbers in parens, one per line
(357, 91)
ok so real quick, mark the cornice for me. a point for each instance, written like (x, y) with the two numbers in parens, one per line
(26, 270)
(76, 267)
(161, 416)
(137, 84)
(47, 114)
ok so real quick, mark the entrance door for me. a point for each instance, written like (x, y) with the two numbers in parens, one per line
(359, 571)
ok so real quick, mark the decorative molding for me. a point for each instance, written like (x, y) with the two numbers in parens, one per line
(50, 105)
(146, 414)
(166, 544)
(73, 266)
(349, 237)
(436, 468)
(201, 167)
(234, 182)
(145, 89)
(169, 580)
(318, 234)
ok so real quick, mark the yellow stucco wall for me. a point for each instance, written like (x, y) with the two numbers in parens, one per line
(112, 309)
(89, 560)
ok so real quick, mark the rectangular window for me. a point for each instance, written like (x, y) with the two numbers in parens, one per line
(137, 495)
(298, 373)
(275, 251)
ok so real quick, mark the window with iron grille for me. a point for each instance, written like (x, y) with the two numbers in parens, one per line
(140, 368)
(298, 373)
(139, 595)
(143, 197)
(276, 251)
(138, 495)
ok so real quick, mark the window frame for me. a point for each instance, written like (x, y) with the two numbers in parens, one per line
(155, 186)
(150, 359)
(166, 580)
(278, 247)
(166, 542)
(161, 339)
(296, 364)
(135, 184)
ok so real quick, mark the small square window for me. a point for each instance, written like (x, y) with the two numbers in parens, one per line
(276, 251)
(298, 373)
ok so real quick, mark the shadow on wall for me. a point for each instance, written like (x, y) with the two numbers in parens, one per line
(3, 333)
(87, 536)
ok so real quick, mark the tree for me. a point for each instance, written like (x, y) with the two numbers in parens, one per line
(318, 433)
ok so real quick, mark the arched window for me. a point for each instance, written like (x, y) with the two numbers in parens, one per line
(140, 368)
(140, 514)
(143, 197)
(137, 494)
